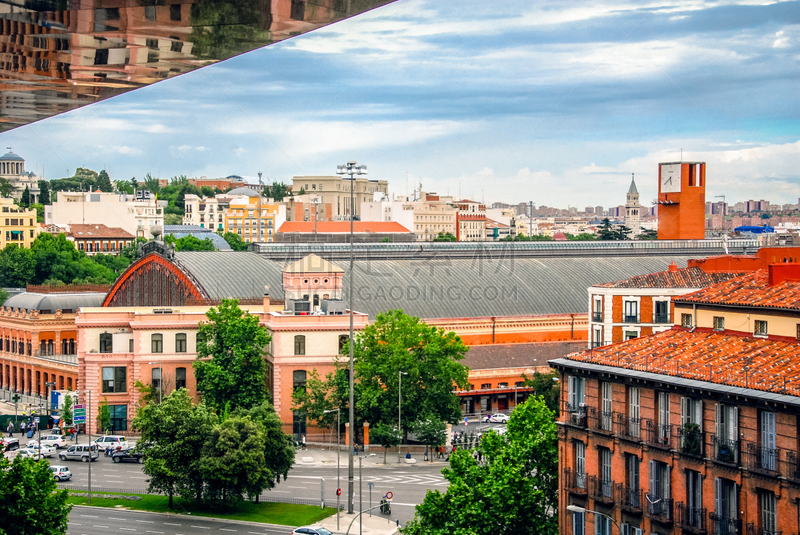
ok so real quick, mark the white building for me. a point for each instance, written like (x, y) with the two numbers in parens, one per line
(12, 168)
(633, 210)
(134, 214)
(425, 218)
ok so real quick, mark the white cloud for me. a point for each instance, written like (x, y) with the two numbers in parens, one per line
(240, 151)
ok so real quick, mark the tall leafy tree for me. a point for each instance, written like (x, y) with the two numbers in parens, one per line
(385, 435)
(30, 502)
(104, 182)
(546, 386)
(44, 192)
(25, 198)
(318, 396)
(430, 356)
(278, 446)
(103, 416)
(173, 433)
(606, 232)
(7, 189)
(152, 184)
(512, 490)
(17, 266)
(230, 366)
(431, 432)
(66, 412)
(190, 243)
(235, 241)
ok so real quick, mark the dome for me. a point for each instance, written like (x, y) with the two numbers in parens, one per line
(11, 157)
(49, 303)
(249, 192)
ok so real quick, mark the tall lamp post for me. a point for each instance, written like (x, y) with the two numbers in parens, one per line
(338, 412)
(399, 407)
(581, 510)
(351, 169)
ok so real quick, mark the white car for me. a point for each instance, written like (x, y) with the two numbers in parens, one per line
(499, 418)
(54, 441)
(32, 453)
(111, 441)
(45, 450)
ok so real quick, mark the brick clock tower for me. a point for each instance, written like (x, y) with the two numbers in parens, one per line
(682, 201)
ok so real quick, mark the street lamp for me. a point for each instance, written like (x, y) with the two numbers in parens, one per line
(352, 169)
(399, 404)
(582, 510)
(160, 379)
(361, 493)
(338, 412)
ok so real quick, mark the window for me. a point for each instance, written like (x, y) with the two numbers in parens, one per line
(597, 309)
(769, 512)
(631, 312)
(661, 312)
(769, 454)
(686, 321)
(604, 460)
(130, 345)
(760, 328)
(155, 378)
(719, 323)
(486, 386)
(662, 399)
(106, 343)
(150, 12)
(180, 343)
(726, 436)
(101, 56)
(578, 523)
(798, 331)
(630, 335)
(726, 506)
(597, 338)
(634, 422)
(299, 344)
(175, 12)
(605, 408)
(157, 343)
(119, 417)
(659, 491)
(180, 377)
(576, 393)
(694, 498)
(114, 379)
(632, 479)
(580, 464)
(602, 525)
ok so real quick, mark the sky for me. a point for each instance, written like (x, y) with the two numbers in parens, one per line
(552, 102)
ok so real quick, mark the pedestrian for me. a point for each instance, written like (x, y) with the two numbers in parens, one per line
(73, 433)
(10, 428)
(303, 442)
(441, 452)
(355, 448)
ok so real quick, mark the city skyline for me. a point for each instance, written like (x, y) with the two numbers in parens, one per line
(554, 105)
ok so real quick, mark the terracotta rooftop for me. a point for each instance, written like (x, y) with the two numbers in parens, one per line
(752, 289)
(343, 227)
(692, 277)
(704, 355)
(487, 357)
(98, 231)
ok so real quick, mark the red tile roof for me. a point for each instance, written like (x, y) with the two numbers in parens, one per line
(704, 355)
(343, 227)
(752, 290)
(98, 231)
(692, 277)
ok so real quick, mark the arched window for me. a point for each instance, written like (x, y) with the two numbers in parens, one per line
(299, 345)
(157, 343)
(180, 343)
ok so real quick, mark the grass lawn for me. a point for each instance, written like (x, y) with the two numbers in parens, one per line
(286, 514)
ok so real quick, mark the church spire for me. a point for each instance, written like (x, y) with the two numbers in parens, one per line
(633, 189)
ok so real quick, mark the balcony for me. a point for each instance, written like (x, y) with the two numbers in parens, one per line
(658, 435)
(725, 450)
(629, 499)
(719, 525)
(760, 459)
(661, 318)
(791, 467)
(630, 319)
(575, 482)
(576, 414)
(601, 490)
(659, 509)
(628, 428)
(691, 519)
(601, 420)
(753, 530)
(691, 441)
(597, 317)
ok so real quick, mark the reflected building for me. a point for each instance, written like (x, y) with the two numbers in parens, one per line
(56, 56)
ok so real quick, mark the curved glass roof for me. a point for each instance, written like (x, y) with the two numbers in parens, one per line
(59, 55)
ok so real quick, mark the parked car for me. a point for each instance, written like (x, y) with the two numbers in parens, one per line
(80, 452)
(127, 456)
(55, 441)
(61, 473)
(10, 444)
(44, 449)
(111, 441)
(33, 453)
(311, 530)
(499, 418)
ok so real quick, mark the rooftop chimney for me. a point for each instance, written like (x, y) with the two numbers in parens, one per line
(266, 300)
(673, 267)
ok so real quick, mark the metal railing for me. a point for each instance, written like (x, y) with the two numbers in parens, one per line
(691, 441)
(661, 318)
(597, 317)
(574, 482)
(659, 509)
(753, 530)
(56, 357)
(601, 420)
(791, 466)
(760, 459)
(576, 414)
(629, 499)
(725, 450)
(659, 435)
(601, 490)
(630, 428)
(721, 525)
(630, 319)
(691, 519)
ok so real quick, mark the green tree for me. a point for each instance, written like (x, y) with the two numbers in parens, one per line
(230, 367)
(232, 462)
(546, 386)
(17, 266)
(623, 233)
(385, 435)
(648, 234)
(39, 211)
(3, 296)
(104, 182)
(277, 191)
(134, 183)
(44, 192)
(83, 180)
(25, 198)
(584, 236)
(445, 237)
(7, 189)
(317, 397)
(30, 502)
(606, 232)
(173, 433)
(57, 259)
(152, 183)
(235, 241)
(190, 243)
(132, 250)
(103, 416)
(398, 342)
(514, 489)
(66, 412)
(278, 446)
(431, 432)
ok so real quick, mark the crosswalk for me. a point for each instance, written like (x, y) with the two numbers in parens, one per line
(428, 480)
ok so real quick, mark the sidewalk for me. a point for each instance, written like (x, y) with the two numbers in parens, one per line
(377, 524)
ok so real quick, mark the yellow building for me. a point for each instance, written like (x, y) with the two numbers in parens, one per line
(18, 226)
(242, 216)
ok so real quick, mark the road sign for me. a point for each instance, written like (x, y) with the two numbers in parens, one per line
(338, 492)
(15, 398)
(389, 495)
(79, 414)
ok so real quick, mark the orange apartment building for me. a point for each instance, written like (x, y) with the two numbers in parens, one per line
(681, 201)
(38, 340)
(692, 430)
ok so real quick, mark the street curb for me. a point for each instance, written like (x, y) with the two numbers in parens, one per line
(184, 515)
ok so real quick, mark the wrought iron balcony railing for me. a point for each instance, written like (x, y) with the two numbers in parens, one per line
(601, 420)
(627, 427)
(659, 435)
(691, 519)
(597, 317)
(659, 509)
(575, 482)
(629, 499)
(753, 530)
(759, 459)
(791, 466)
(576, 414)
(661, 318)
(601, 490)
(721, 525)
(725, 450)
(691, 441)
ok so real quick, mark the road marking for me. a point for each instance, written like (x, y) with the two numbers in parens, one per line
(170, 524)
(90, 516)
(155, 532)
(225, 529)
(297, 487)
(112, 518)
(144, 521)
(105, 527)
(199, 527)
(127, 529)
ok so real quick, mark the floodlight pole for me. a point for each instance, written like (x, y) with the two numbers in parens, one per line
(351, 169)
(399, 407)
(338, 451)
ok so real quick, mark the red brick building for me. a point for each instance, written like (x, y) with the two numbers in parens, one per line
(681, 201)
(691, 430)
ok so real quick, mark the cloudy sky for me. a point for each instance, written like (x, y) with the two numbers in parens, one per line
(498, 101)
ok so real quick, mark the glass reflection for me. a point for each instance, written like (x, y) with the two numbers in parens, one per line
(58, 55)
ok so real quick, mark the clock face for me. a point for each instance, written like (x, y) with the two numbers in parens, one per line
(670, 178)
